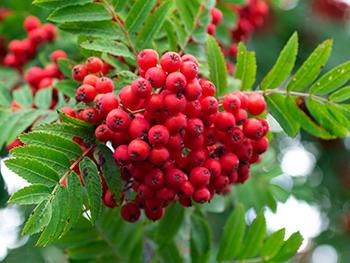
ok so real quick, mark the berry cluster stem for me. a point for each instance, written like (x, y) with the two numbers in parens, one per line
(120, 22)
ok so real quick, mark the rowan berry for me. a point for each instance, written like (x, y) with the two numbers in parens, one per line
(141, 88)
(130, 212)
(147, 58)
(201, 195)
(79, 72)
(94, 64)
(85, 93)
(256, 104)
(175, 82)
(170, 62)
(156, 76)
(118, 120)
(138, 150)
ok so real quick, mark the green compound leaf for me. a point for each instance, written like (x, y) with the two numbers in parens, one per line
(217, 66)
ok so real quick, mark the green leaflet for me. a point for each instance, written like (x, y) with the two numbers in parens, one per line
(319, 111)
(170, 224)
(340, 95)
(284, 65)
(277, 107)
(43, 98)
(33, 171)
(289, 248)
(33, 194)
(253, 240)
(88, 12)
(52, 158)
(67, 87)
(152, 25)
(110, 171)
(38, 219)
(138, 14)
(107, 46)
(23, 97)
(93, 186)
(305, 121)
(75, 200)
(231, 240)
(58, 219)
(245, 67)
(200, 240)
(66, 146)
(51, 4)
(311, 68)
(217, 66)
(104, 29)
(273, 244)
(332, 80)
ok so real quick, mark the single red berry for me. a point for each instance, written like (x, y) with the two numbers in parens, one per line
(69, 111)
(85, 93)
(211, 136)
(233, 50)
(147, 58)
(156, 76)
(229, 163)
(118, 120)
(153, 204)
(50, 31)
(138, 150)
(175, 82)
(154, 179)
(16, 47)
(34, 75)
(211, 29)
(201, 195)
(121, 155)
(175, 178)
(189, 70)
(242, 97)
(79, 72)
(189, 58)
(141, 88)
(233, 177)
(154, 215)
(31, 22)
(208, 87)
(154, 104)
(224, 121)
(241, 115)
(193, 109)
(128, 98)
(90, 114)
(192, 142)
(260, 146)
(220, 183)
(90, 79)
(45, 83)
(109, 200)
(145, 192)
(176, 123)
(130, 212)
(165, 195)
(235, 137)
(94, 64)
(186, 190)
(57, 54)
(243, 173)
(231, 103)
(196, 157)
(159, 156)
(185, 201)
(193, 90)
(265, 124)
(106, 103)
(104, 85)
(216, 15)
(138, 128)
(175, 143)
(199, 176)
(103, 133)
(170, 62)
(213, 166)
(158, 135)
(194, 127)
(245, 150)
(37, 36)
(256, 104)
(253, 129)
(209, 105)
(174, 103)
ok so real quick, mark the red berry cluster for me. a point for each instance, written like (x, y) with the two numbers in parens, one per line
(20, 51)
(216, 17)
(172, 138)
